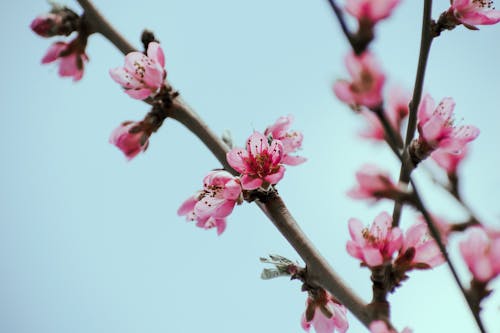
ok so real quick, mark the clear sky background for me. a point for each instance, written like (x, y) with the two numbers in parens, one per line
(92, 243)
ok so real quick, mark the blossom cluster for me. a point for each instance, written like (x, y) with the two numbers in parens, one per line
(260, 165)
(71, 56)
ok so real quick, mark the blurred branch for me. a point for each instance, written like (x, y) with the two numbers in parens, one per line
(319, 271)
(425, 46)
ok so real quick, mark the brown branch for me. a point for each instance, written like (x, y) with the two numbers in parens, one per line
(319, 271)
(425, 46)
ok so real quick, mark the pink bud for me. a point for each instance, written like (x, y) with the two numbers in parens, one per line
(130, 139)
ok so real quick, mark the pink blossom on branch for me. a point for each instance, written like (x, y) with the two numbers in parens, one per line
(374, 184)
(481, 252)
(449, 161)
(291, 140)
(474, 12)
(438, 131)
(130, 139)
(260, 164)
(142, 75)
(210, 206)
(325, 314)
(367, 80)
(376, 245)
(379, 326)
(71, 58)
(396, 111)
(419, 249)
(371, 11)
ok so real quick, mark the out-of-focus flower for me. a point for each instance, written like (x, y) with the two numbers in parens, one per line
(474, 12)
(325, 314)
(436, 126)
(142, 75)
(449, 161)
(71, 58)
(376, 245)
(260, 164)
(395, 112)
(291, 140)
(419, 249)
(130, 139)
(367, 80)
(481, 252)
(210, 206)
(370, 11)
(379, 326)
(374, 183)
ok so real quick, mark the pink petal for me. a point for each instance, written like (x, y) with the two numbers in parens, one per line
(372, 257)
(187, 206)
(342, 90)
(232, 190)
(293, 160)
(275, 177)
(138, 93)
(257, 143)
(53, 52)
(249, 183)
(236, 159)
(155, 52)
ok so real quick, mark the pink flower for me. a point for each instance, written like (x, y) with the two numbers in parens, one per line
(370, 10)
(449, 161)
(436, 126)
(46, 25)
(71, 58)
(474, 12)
(443, 226)
(481, 252)
(142, 76)
(419, 249)
(376, 245)
(396, 111)
(325, 314)
(260, 164)
(397, 106)
(367, 81)
(379, 326)
(210, 206)
(130, 139)
(291, 140)
(373, 183)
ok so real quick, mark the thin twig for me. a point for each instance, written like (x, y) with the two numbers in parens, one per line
(319, 271)
(435, 234)
(425, 46)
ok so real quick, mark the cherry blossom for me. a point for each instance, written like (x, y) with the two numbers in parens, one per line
(449, 161)
(371, 10)
(376, 245)
(437, 130)
(396, 112)
(325, 314)
(130, 139)
(210, 206)
(474, 12)
(261, 162)
(367, 80)
(379, 326)
(142, 75)
(374, 183)
(419, 249)
(291, 140)
(71, 58)
(481, 252)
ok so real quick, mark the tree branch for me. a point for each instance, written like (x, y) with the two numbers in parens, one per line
(319, 271)
(425, 46)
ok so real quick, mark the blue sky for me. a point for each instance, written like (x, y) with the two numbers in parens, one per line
(92, 243)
